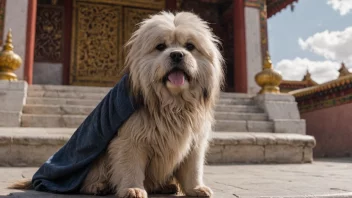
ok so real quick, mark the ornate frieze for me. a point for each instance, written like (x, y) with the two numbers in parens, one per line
(100, 30)
(49, 33)
(96, 44)
(329, 94)
(132, 16)
(152, 4)
(253, 3)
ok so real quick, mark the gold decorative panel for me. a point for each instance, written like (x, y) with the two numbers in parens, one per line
(100, 30)
(132, 16)
(49, 33)
(153, 4)
(96, 44)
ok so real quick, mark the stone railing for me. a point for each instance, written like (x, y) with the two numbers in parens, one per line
(12, 92)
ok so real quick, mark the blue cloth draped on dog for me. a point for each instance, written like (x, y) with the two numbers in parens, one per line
(65, 171)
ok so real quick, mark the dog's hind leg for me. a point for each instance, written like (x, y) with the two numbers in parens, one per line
(97, 180)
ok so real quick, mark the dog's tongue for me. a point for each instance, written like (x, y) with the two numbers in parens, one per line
(177, 78)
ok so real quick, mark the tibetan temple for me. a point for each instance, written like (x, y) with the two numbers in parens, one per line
(79, 42)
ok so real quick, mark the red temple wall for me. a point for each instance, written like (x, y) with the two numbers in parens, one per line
(332, 130)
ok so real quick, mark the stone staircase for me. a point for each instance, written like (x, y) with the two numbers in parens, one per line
(57, 106)
(244, 131)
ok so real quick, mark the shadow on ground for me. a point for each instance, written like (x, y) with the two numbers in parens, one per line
(36, 194)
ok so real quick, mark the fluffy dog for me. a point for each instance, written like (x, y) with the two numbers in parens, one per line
(174, 63)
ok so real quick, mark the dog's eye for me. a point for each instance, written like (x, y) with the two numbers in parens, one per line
(190, 46)
(161, 47)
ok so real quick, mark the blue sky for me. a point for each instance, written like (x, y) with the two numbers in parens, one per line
(324, 28)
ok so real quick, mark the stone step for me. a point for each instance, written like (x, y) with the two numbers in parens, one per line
(94, 102)
(238, 108)
(33, 146)
(69, 88)
(240, 116)
(260, 148)
(100, 94)
(87, 92)
(244, 126)
(85, 110)
(51, 120)
(236, 101)
(61, 101)
(66, 94)
(235, 95)
(57, 109)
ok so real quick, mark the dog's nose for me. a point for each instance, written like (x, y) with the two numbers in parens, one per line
(176, 56)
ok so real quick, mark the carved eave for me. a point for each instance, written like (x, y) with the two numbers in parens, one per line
(344, 71)
(275, 6)
(325, 87)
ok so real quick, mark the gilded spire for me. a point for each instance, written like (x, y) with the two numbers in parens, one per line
(308, 79)
(8, 43)
(343, 70)
(267, 62)
(9, 61)
(268, 79)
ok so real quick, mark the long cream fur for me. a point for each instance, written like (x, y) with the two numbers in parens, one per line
(167, 138)
(165, 141)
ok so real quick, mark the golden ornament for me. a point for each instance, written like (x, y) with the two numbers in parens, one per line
(268, 79)
(9, 61)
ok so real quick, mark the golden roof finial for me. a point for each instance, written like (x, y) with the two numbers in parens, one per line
(8, 43)
(343, 70)
(9, 61)
(308, 78)
(267, 61)
(268, 79)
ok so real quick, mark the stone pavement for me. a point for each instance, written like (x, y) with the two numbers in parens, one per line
(323, 178)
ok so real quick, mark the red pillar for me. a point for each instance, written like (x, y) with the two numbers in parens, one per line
(240, 63)
(68, 6)
(30, 41)
(170, 5)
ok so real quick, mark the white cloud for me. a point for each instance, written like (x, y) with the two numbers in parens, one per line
(321, 71)
(343, 6)
(332, 45)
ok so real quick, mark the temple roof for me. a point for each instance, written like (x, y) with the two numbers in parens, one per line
(307, 81)
(275, 6)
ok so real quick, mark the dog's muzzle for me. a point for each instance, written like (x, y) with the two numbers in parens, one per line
(177, 75)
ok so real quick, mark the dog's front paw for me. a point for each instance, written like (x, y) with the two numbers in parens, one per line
(133, 193)
(199, 191)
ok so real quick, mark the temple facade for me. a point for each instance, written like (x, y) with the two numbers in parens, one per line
(80, 42)
(326, 109)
